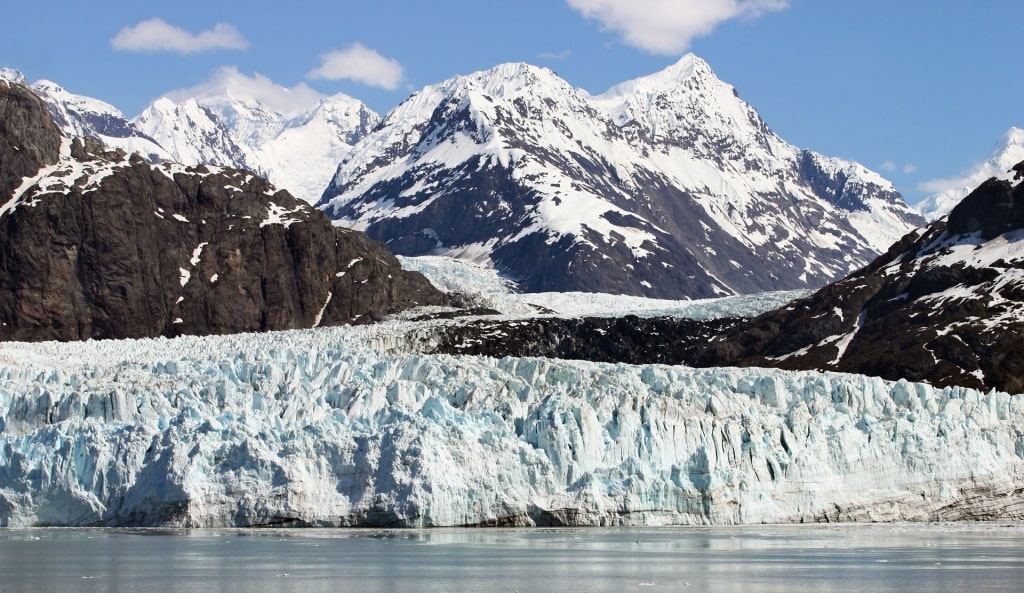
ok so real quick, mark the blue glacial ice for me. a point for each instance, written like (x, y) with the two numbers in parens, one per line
(351, 426)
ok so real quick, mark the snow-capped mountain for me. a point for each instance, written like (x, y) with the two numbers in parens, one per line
(295, 143)
(13, 76)
(79, 116)
(293, 137)
(304, 154)
(666, 186)
(1007, 152)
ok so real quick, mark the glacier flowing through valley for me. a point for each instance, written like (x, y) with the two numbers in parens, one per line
(351, 426)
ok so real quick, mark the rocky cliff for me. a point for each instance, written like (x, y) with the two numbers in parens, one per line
(98, 244)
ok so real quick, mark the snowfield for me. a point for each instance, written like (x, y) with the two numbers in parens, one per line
(488, 288)
(352, 426)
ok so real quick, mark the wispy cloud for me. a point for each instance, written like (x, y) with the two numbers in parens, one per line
(155, 35)
(562, 55)
(891, 167)
(229, 81)
(938, 186)
(361, 64)
(669, 26)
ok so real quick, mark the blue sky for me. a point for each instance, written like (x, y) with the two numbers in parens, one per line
(918, 90)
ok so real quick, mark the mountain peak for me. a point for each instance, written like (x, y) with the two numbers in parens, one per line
(511, 79)
(687, 66)
(1013, 137)
(13, 76)
(231, 91)
(1004, 155)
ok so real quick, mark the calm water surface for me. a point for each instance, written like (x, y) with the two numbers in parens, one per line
(793, 559)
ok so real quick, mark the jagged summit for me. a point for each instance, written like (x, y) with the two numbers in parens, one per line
(12, 75)
(688, 67)
(293, 136)
(193, 134)
(668, 186)
(510, 79)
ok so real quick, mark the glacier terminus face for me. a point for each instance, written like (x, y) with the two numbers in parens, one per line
(353, 427)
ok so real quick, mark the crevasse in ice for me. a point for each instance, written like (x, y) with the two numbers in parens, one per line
(349, 426)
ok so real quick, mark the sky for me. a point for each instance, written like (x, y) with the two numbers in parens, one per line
(919, 90)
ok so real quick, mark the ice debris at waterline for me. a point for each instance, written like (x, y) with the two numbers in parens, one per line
(308, 428)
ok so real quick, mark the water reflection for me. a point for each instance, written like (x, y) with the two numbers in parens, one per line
(793, 559)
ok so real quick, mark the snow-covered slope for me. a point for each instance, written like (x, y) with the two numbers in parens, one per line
(1008, 152)
(192, 134)
(481, 286)
(666, 186)
(304, 154)
(295, 142)
(80, 116)
(293, 137)
(345, 427)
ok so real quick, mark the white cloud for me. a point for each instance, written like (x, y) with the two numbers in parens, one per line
(229, 81)
(668, 26)
(909, 169)
(361, 64)
(156, 35)
(888, 167)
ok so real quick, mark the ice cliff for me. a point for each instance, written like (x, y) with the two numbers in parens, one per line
(349, 426)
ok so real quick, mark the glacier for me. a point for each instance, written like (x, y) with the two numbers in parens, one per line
(355, 427)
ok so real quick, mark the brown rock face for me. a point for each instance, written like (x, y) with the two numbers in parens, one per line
(28, 137)
(103, 246)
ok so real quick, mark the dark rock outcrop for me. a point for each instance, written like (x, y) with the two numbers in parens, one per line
(629, 339)
(107, 246)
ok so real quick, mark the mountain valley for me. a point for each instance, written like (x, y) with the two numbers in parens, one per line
(186, 345)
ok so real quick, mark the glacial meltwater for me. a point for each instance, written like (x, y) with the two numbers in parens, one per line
(974, 558)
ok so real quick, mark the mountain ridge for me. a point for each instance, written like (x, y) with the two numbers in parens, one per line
(294, 141)
(513, 166)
